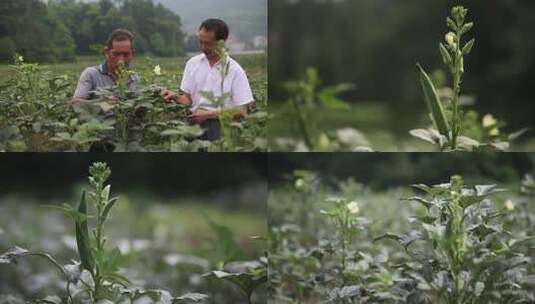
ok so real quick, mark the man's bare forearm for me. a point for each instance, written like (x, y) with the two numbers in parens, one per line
(184, 99)
(76, 100)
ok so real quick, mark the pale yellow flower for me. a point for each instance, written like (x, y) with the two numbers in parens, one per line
(353, 207)
(299, 184)
(157, 70)
(450, 39)
(509, 205)
(21, 58)
(489, 121)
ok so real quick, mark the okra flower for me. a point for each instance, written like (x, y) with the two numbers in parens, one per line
(450, 39)
(509, 205)
(157, 70)
(488, 121)
(353, 207)
(299, 184)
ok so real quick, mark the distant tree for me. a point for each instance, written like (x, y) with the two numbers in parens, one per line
(7, 48)
(60, 29)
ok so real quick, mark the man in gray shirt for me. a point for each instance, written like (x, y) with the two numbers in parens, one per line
(120, 48)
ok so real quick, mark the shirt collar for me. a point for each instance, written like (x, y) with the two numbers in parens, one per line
(204, 58)
(103, 68)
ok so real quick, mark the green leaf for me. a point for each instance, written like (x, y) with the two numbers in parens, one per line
(427, 135)
(446, 56)
(467, 27)
(82, 237)
(403, 240)
(329, 97)
(468, 47)
(117, 279)
(466, 201)
(517, 134)
(433, 102)
(245, 281)
(427, 204)
(191, 298)
(108, 207)
(12, 255)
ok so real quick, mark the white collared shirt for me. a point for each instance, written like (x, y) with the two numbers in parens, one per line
(199, 76)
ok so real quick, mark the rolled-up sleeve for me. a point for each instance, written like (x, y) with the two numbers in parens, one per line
(240, 93)
(85, 85)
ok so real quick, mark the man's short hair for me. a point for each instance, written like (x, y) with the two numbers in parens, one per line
(120, 35)
(217, 26)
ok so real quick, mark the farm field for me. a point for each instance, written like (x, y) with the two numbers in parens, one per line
(37, 116)
(378, 127)
(141, 247)
(365, 228)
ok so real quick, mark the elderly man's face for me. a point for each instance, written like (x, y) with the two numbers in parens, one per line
(121, 51)
(207, 42)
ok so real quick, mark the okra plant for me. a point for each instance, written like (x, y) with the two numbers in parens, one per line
(446, 113)
(32, 101)
(344, 216)
(459, 252)
(307, 101)
(96, 277)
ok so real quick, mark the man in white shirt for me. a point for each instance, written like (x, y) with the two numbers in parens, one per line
(202, 74)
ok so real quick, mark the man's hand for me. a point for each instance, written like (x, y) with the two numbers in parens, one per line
(200, 116)
(169, 95)
(110, 99)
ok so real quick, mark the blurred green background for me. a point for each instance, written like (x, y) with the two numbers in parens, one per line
(164, 175)
(178, 217)
(382, 171)
(374, 44)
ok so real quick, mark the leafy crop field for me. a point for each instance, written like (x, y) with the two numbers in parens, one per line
(109, 248)
(339, 241)
(36, 115)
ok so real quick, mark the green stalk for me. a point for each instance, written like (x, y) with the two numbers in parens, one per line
(302, 124)
(456, 90)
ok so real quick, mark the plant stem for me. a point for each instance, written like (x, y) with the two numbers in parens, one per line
(457, 73)
(302, 124)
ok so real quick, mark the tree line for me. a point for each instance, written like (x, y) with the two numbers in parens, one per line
(58, 30)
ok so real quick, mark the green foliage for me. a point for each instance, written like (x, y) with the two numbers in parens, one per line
(38, 117)
(97, 278)
(247, 276)
(307, 100)
(454, 246)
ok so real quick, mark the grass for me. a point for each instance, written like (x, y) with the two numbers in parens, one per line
(255, 65)
(384, 128)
